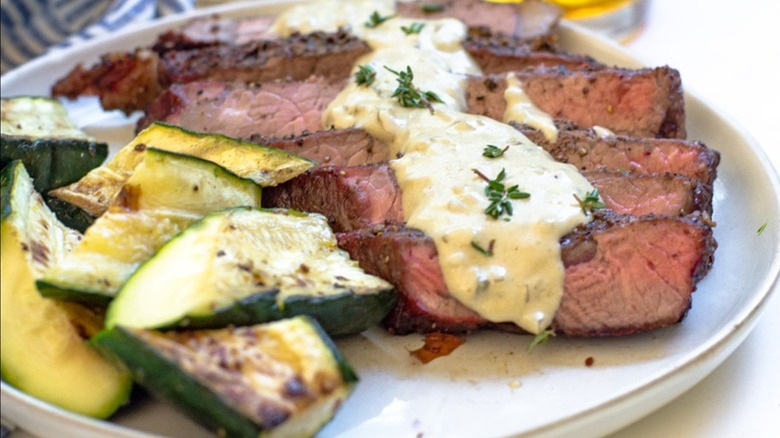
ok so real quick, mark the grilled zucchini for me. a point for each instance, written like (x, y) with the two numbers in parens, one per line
(43, 352)
(284, 378)
(166, 193)
(37, 131)
(264, 165)
(243, 266)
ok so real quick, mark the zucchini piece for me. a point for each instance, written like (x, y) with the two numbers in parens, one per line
(37, 131)
(266, 166)
(244, 266)
(166, 193)
(42, 349)
(284, 378)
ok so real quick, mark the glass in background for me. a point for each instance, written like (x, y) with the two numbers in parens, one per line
(616, 19)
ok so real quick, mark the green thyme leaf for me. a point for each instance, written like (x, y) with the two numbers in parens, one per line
(375, 20)
(493, 151)
(485, 251)
(430, 8)
(499, 195)
(415, 27)
(408, 94)
(590, 202)
(365, 75)
(761, 229)
(541, 338)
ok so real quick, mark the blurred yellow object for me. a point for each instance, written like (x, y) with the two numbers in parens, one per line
(618, 19)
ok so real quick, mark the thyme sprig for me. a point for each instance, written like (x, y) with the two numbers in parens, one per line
(408, 94)
(493, 151)
(761, 229)
(365, 75)
(485, 251)
(415, 27)
(541, 338)
(590, 202)
(430, 8)
(499, 195)
(375, 20)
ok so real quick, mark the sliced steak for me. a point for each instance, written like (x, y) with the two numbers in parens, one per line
(618, 279)
(330, 55)
(660, 194)
(340, 147)
(587, 150)
(350, 197)
(124, 81)
(275, 109)
(641, 103)
(528, 19)
(497, 54)
(130, 81)
(362, 196)
(214, 30)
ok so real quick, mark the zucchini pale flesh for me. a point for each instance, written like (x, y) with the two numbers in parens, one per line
(243, 266)
(166, 193)
(284, 378)
(264, 165)
(43, 352)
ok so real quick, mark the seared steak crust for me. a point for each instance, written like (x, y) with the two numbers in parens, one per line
(528, 19)
(297, 57)
(640, 103)
(339, 147)
(214, 30)
(618, 279)
(275, 109)
(587, 150)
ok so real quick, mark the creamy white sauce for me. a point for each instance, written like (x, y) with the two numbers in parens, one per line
(520, 108)
(522, 281)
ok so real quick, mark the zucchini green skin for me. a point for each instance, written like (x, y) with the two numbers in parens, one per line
(37, 131)
(197, 397)
(339, 315)
(43, 349)
(243, 266)
(167, 192)
(53, 162)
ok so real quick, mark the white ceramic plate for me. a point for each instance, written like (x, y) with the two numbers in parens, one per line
(491, 386)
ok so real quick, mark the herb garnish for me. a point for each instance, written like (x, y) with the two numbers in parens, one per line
(761, 229)
(415, 27)
(541, 338)
(375, 20)
(493, 151)
(485, 251)
(410, 96)
(365, 75)
(590, 202)
(429, 8)
(499, 195)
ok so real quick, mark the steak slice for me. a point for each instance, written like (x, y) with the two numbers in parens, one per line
(297, 57)
(350, 197)
(496, 54)
(528, 19)
(363, 196)
(276, 108)
(645, 102)
(340, 147)
(587, 150)
(130, 81)
(618, 280)
(213, 30)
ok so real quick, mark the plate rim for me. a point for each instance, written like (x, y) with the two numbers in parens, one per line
(699, 362)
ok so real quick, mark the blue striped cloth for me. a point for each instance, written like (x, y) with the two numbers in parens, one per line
(29, 28)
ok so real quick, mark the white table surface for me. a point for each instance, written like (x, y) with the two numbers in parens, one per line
(729, 53)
